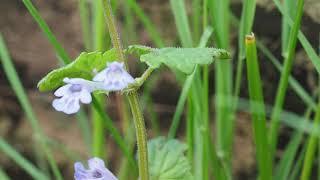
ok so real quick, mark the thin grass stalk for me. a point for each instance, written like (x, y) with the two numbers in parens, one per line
(257, 110)
(312, 54)
(196, 19)
(3, 174)
(63, 58)
(46, 30)
(16, 84)
(21, 161)
(311, 149)
(147, 23)
(290, 10)
(132, 97)
(223, 82)
(283, 84)
(100, 44)
(295, 85)
(182, 23)
(246, 22)
(108, 124)
(85, 23)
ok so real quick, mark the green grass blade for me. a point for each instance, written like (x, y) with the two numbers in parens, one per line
(179, 109)
(258, 111)
(289, 9)
(286, 162)
(21, 161)
(3, 174)
(16, 84)
(298, 164)
(246, 22)
(296, 86)
(283, 84)
(219, 11)
(107, 123)
(181, 20)
(311, 149)
(62, 56)
(46, 30)
(152, 30)
(85, 23)
(185, 90)
(196, 17)
(287, 159)
(312, 54)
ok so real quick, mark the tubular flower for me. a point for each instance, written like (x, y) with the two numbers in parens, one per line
(70, 95)
(96, 170)
(114, 77)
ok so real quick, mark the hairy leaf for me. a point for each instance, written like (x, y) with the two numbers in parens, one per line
(139, 50)
(83, 67)
(183, 59)
(167, 160)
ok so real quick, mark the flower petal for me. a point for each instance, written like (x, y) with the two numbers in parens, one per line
(95, 163)
(72, 106)
(59, 104)
(62, 90)
(85, 97)
(101, 76)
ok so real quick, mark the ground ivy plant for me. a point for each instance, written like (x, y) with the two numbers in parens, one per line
(102, 72)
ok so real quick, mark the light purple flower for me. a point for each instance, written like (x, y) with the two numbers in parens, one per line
(114, 77)
(70, 95)
(96, 170)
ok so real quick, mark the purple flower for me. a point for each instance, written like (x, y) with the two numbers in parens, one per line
(76, 90)
(96, 170)
(114, 77)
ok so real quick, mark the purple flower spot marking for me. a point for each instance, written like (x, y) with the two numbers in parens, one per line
(75, 88)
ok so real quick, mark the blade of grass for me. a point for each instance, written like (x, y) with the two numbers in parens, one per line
(311, 149)
(85, 23)
(289, 9)
(147, 23)
(21, 161)
(286, 162)
(223, 82)
(46, 30)
(257, 111)
(295, 85)
(246, 22)
(312, 54)
(185, 90)
(108, 124)
(283, 84)
(16, 84)
(64, 59)
(3, 174)
(181, 20)
(298, 164)
(196, 17)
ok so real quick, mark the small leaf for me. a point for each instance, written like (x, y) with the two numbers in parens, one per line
(139, 50)
(183, 59)
(167, 160)
(83, 67)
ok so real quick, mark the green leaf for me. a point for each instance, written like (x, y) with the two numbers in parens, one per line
(183, 59)
(83, 67)
(139, 50)
(167, 160)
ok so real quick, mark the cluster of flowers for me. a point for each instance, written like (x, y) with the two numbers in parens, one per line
(113, 78)
(96, 170)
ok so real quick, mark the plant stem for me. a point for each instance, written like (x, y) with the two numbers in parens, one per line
(141, 136)
(132, 96)
(281, 91)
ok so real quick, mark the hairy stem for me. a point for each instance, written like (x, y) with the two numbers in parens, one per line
(132, 96)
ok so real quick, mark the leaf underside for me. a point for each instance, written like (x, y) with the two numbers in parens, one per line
(167, 160)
